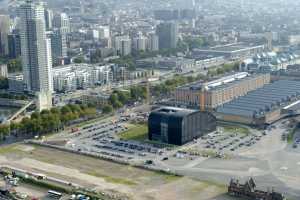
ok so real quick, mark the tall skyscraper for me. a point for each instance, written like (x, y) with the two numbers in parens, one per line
(4, 31)
(62, 22)
(58, 46)
(48, 19)
(36, 57)
(167, 34)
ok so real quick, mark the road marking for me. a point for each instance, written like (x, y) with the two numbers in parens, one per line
(298, 163)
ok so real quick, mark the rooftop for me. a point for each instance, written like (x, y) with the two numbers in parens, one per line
(174, 111)
(261, 101)
(231, 48)
(219, 83)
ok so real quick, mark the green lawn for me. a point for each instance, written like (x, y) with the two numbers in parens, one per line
(236, 129)
(139, 132)
(135, 132)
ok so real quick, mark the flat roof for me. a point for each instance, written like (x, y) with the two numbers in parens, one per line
(220, 83)
(174, 111)
(231, 48)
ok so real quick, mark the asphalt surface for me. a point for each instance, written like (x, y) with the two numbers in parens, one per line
(271, 161)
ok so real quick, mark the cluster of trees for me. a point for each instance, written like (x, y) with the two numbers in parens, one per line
(79, 59)
(14, 65)
(193, 42)
(223, 69)
(126, 61)
(48, 121)
(120, 98)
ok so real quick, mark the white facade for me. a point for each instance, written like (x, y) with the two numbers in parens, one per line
(140, 43)
(153, 43)
(49, 64)
(104, 32)
(123, 45)
(3, 70)
(72, 77)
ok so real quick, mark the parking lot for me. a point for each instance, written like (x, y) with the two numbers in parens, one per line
(228, 142)
(255, 152)
(104, 138)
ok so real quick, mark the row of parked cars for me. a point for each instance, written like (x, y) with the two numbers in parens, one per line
(230, 142)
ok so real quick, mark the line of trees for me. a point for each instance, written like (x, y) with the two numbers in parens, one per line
(48, 121)
(170, 85)
(223, 69)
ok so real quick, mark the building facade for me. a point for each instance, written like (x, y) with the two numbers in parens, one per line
(4, 31)
(122, 44)
(3, 70)
(62, 22)
(58, 46)
(167, 35)
(14, 45)
(48, 19)
(210, 95)
(153, 42)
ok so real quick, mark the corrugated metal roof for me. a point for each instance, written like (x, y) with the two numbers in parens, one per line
(262, 100)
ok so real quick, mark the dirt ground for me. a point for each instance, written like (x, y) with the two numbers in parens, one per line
(102, 175)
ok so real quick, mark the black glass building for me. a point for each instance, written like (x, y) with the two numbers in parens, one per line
(179, 126)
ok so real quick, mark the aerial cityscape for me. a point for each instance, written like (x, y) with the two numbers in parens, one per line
(150, 99)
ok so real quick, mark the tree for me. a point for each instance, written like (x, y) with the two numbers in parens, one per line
(79, 59)
(107, 109)
(75, 108)
(113, 98)
(221, 71)
(14, 65)
(4, 131)
(55, 111)
(66, 109)
(123, 96)
(194, 42)
(35, 115)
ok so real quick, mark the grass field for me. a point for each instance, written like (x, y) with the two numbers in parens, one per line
(236, 129)
(138, 184)
(139, 132)
(135, 132)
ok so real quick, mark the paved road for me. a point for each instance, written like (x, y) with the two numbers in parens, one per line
(271, 162)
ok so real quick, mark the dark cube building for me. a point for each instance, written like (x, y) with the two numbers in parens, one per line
(179, 126)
